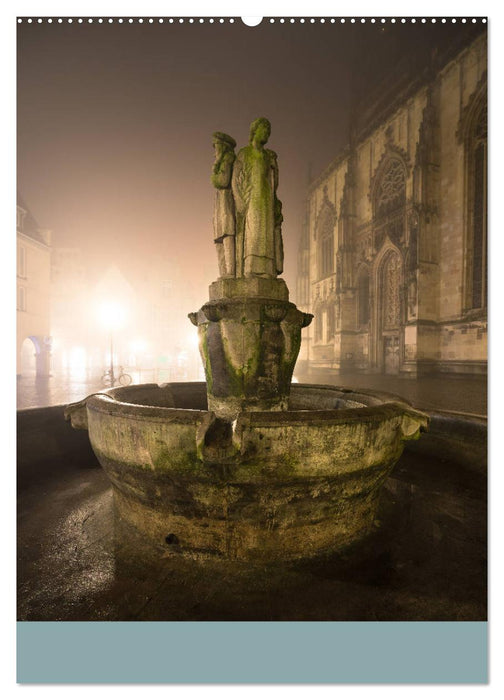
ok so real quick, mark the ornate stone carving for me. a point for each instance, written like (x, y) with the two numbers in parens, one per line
(258, 210)
(349, 182)
(391, 191)
(391, 282)
(275, 312)
(391, 153)
(413, 224)
(249, 332)
(224, 209)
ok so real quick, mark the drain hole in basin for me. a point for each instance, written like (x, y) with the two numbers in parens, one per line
(171, 539)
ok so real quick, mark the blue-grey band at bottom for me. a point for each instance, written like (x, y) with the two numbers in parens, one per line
(252, 652)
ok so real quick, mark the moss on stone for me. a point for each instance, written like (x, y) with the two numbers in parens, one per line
(206, 360)
(182, 462)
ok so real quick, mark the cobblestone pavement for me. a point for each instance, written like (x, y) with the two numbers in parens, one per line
(464, 394)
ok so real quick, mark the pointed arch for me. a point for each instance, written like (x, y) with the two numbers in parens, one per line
(387, 307)
(324, 233)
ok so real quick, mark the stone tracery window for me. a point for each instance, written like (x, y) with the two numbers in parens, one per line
(390, 193)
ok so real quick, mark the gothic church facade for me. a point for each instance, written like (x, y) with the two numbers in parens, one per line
(393, 256)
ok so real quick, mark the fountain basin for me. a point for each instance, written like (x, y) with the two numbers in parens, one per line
(272, 485)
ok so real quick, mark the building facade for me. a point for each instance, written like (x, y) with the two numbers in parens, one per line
(68, 295)
(393, 256)
(33, 292)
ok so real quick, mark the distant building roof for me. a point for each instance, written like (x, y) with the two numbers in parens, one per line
(30, 226)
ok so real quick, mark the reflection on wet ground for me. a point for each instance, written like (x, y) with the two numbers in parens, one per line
(33, 392)
(426, 560)
(62, 388)
(464, 394)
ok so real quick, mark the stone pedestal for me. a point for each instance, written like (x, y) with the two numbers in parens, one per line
(249, 337)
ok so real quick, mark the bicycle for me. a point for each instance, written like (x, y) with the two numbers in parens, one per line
(123, 378)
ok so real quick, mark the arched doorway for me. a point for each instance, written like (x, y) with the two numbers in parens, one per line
(389, 226)
(28, 358)
(390, 313)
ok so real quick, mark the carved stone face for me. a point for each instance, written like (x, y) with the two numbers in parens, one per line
(262, 134)
(218, 148)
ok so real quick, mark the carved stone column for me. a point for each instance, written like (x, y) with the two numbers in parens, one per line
(249, 339)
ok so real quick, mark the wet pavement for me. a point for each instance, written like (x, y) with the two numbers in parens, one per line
(35, 392)
(425, 561)
(462, 394)
(67, 387)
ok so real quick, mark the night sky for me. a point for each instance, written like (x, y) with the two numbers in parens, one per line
(115, 123)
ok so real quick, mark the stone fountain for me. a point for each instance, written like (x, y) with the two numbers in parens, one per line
(248, 466)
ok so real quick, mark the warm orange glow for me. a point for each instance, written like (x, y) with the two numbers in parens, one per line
(75, 361)
(138, 345)
(112, 315)
(192, 341)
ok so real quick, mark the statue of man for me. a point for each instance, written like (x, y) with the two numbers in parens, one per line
(224, 208)
(258, 211)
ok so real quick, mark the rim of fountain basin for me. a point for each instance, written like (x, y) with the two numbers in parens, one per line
(368, 405)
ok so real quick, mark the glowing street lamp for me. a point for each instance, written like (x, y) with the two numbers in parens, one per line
(112, 315)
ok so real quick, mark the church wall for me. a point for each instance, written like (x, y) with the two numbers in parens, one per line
(464, 347)
(460, 342)
(452, 209)
(434, 334)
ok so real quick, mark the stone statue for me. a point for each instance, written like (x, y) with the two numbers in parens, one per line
(259, 249)
(224, 208)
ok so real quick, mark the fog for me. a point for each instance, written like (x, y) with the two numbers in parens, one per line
(115, 155)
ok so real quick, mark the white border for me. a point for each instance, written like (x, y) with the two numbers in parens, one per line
(256, 8)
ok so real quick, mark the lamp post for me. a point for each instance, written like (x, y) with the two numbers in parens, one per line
(112, 316)
(112, 378)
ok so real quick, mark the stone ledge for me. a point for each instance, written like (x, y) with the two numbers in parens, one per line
(230, 288)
